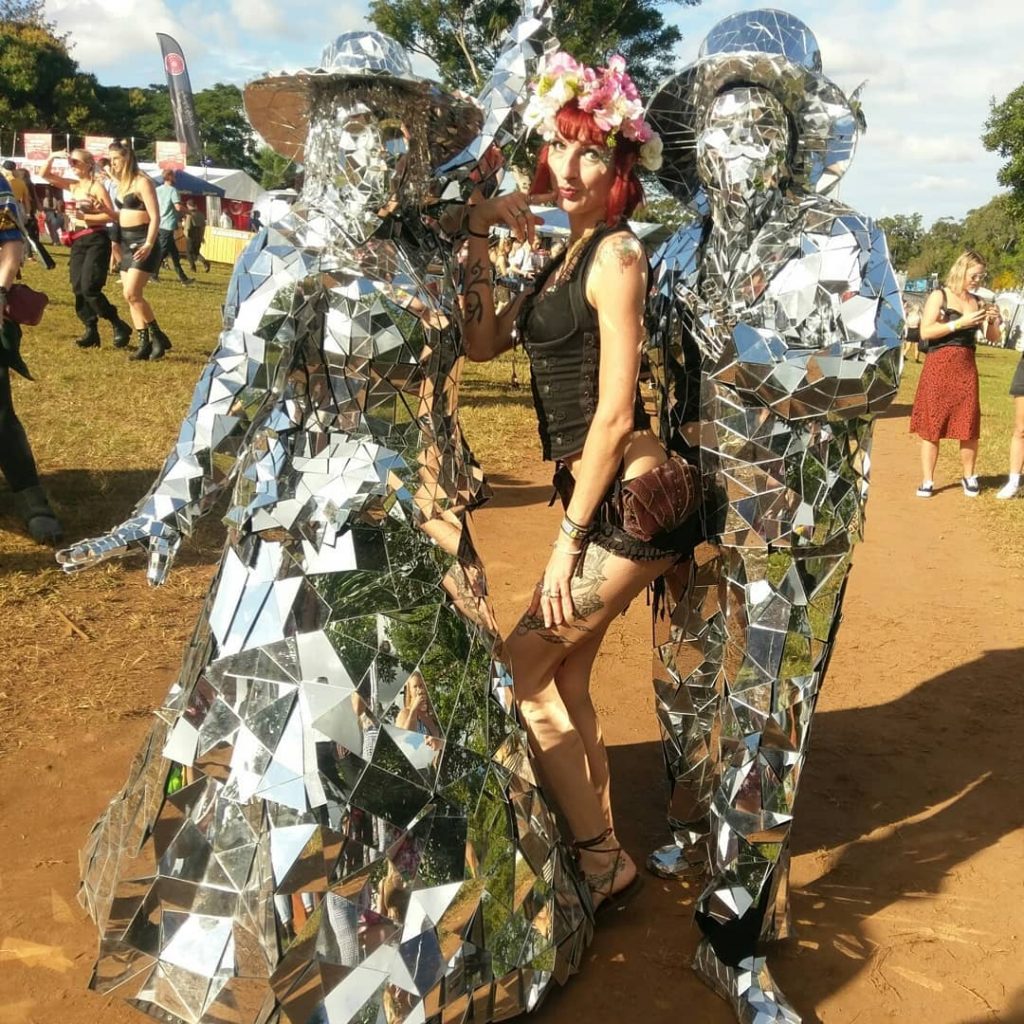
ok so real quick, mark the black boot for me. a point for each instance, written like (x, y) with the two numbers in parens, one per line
(91, 338)
(122, 333)
(42, 523)
(161, 343)
(145, 344)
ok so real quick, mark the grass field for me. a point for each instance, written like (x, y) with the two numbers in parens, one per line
(100, 425)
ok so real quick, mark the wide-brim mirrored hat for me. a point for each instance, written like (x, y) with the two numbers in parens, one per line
(777, 52)
(278, 105)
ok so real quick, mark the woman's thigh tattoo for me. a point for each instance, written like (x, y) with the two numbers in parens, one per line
(586, 598)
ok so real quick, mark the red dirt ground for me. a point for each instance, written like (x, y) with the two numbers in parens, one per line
(908, 870)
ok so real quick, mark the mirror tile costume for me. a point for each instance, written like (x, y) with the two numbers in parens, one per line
(334, 818)
(782, 304)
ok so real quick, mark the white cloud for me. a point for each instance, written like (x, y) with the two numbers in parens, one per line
(934, 183)
(930, 75)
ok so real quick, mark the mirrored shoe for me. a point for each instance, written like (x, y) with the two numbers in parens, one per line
(748, 988)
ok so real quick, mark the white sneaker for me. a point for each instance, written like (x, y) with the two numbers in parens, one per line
(926, 490)
(1008, 490)
(970, 485)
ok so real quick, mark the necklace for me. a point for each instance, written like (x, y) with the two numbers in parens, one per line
(572, 258)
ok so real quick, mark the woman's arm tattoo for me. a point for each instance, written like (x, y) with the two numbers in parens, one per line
(624, 250)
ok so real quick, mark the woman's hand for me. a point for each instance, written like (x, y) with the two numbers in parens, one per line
(973, 319)
(140, 253)
(511, 209)
(553, 596)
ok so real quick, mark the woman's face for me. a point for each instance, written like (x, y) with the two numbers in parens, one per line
(116, 161)
(975, 276)
(582, 174)
(743, 146)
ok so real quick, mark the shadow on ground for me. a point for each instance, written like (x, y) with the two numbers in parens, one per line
(896, 798)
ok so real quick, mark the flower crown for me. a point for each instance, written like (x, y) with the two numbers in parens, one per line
(608, 94)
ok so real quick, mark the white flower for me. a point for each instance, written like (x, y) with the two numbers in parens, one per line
(650, 153)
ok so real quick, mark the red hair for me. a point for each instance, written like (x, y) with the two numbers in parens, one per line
(626, 192)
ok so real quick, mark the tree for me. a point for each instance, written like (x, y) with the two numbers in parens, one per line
(1004, 134)
(940, 246)
(462, 37)
(27, 12)
(993, 230)
(226, 134)
(39, 84)
(903, 233)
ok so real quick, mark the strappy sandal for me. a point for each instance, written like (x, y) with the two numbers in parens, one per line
(600, 884)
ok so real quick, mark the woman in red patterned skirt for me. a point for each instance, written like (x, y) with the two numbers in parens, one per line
(946, 403)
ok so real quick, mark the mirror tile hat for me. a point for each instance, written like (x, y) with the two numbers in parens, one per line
(769, 49)
(277, 105)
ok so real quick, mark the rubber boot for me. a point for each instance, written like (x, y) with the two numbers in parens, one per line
(122, 333)
(91, 338)
(145, 348)
(161, 343)
(42, 522)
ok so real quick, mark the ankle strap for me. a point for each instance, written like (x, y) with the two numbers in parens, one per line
(590, 844)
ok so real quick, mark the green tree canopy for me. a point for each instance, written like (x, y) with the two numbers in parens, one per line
(903, 233)
(1004, 134)
(463, 38)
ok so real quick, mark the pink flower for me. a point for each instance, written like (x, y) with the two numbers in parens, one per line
(560, 63)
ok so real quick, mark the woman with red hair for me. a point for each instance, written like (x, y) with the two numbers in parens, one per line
(583, 329)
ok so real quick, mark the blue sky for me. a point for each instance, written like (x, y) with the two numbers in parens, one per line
(931, 67)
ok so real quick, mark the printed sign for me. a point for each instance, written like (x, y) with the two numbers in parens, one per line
(98, 144)
(38, 145)
(170, 154)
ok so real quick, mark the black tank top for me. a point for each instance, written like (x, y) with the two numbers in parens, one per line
(964, 338)
(560, 334)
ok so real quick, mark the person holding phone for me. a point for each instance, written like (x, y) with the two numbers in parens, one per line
(947, 404)
(90, 246)
(139, 222)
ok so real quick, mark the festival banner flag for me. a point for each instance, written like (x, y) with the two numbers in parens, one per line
(170, 154)
(186, 128)
(38, 145)
(98, 144)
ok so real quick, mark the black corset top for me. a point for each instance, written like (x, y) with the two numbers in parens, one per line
(559, 330)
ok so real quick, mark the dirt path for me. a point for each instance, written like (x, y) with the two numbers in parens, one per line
(909, 853)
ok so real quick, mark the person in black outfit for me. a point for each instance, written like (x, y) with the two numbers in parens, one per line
(90, 247)
(16, 461)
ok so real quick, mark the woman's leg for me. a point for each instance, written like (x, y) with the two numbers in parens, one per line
(572, 679)
(968, 457)
(929, 458)
(1017, 437)
(133, 284)
(603, 587)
